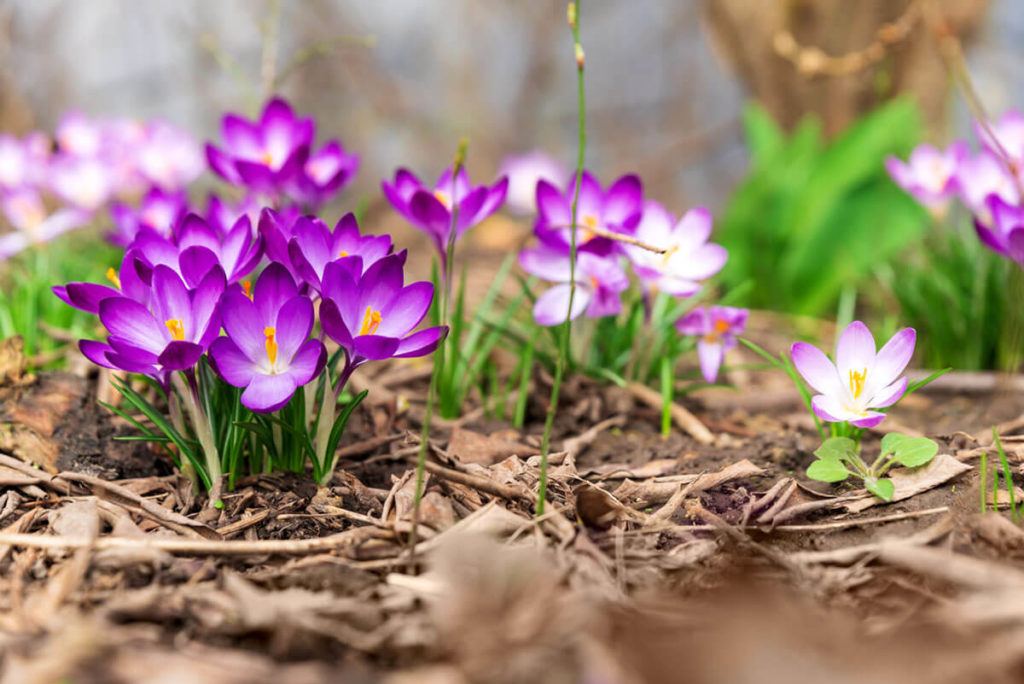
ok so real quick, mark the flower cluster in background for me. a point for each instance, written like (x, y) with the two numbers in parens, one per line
(987, 182)
(48, 187)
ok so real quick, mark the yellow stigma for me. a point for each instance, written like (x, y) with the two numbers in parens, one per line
(857, 382)
(247, 286)
(176, 328)
(590, 221)
(271, 335)
(112, 277)
(371, 321)
(342, 254)
(443, 198)
(668, 255)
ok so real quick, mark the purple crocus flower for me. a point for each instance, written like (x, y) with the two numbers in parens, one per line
(930, 174)
(599, 280)
(169, 157)
(236, 252)
(267, 349)
(860, 380)
(264, 155)
(689, 258)
(168, 335)
(325, 173)
(159, 211)
(717, 327)
(981, 176)
(25, 211)
(313, 245)
(524, 171)
(617, 210)
(1005, 234)
(372, 315)
(430, 209)
(277, 228)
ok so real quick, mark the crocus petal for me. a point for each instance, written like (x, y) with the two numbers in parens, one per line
(86, 296)
(195, 263)
(96, 352)
(273, 288)
(828, 408)
(623, 199)
(179, 355)
(308, 361)
(268, 393)
(375, 347)
(231, 363)
(855, 350)
(552, 205)
(868, 420)
(334, 325)
(133, 322)
(889, 395)
(294, 323)
(695, 322)
(546, 263)
(893, 357)
(243, 324)
(551, 306)
(815, 367)
(406, 310)
(710, 355)
(421, 343)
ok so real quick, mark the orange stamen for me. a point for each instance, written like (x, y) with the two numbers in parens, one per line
(112, 277)
(176, 329)
(342, 254)
(371, 321)
(442, 197)
(247, 286)
(271, 335)
(857, 382)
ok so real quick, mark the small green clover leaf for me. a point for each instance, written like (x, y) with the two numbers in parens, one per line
(837, 448)
(883, 488)
(915, 451)
(828, 470)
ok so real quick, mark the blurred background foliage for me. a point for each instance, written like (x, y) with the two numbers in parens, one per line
(774, 113)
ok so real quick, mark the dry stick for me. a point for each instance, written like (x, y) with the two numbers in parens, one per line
(672, 505)
(618, 237)
(563, 342)
(682, 417)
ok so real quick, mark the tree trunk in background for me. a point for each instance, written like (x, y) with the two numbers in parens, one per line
(746, 32)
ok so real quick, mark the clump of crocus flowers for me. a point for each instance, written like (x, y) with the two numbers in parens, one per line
(987, 182)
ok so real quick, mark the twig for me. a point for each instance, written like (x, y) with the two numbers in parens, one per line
(477, 482)
(680, 416)
(619, 237)
(672, 505)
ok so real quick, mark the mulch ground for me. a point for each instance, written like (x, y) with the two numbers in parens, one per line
(703, 557)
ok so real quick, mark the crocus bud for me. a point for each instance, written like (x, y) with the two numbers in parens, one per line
(571, 15)
(579, 56)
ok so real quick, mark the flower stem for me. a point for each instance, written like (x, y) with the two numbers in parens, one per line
(563, 346)
(204, 434)
(439, 354)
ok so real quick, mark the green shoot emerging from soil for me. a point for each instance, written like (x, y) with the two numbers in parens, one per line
(839, 457)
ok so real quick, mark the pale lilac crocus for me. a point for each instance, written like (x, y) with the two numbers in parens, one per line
(430, 208)
(980, 177)
(617, 210)
(268, 350)
(1005, 232)
(1008, 134)
(169, 157)
(85, 183)
(313, 245)
(264, 155)
(158, 211)
(599, 282)
(717, 328)
(524, 172)
(78, 135)
(929, 175)
(25, 211)
(860, 380)
(23, 162)
(689, 257)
